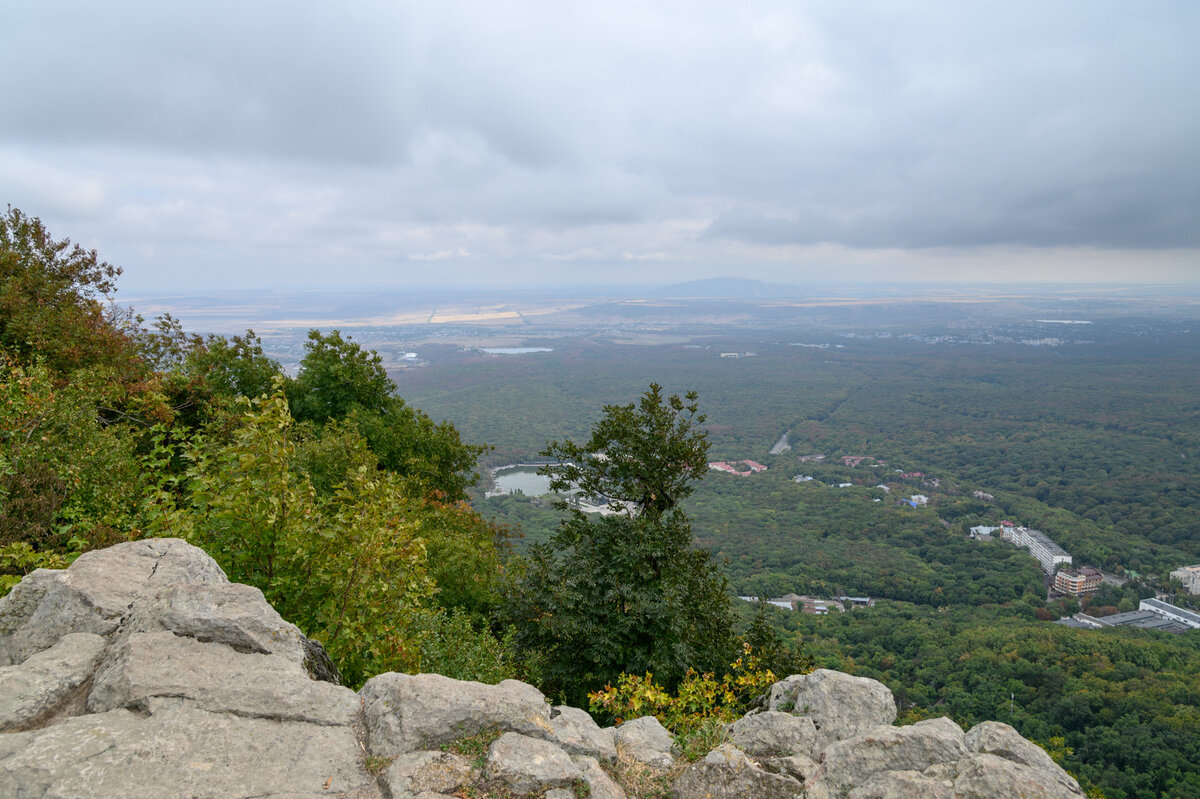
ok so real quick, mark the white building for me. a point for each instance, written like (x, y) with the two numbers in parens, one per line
(1048, 553)
(1190, 577)
(1185, 617)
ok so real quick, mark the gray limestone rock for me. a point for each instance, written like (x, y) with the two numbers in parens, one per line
(414, 773)
(218, 679)
(49, 683)
(406, 712)
(727, 773)
(577, 733)
(645, 740)
(232, 614)
(774, 734)
(851, 762)
(140, 671)
(802, 767)
(996, 738)
(524, 765)
(839, 705)
(180, 750)
(984, 776)
(95, 594)
(599, 784)
(902, 785)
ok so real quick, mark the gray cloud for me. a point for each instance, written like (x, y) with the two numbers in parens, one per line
(267, 141)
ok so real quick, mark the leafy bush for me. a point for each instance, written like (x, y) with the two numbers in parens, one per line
(348, 569)
(700, 700)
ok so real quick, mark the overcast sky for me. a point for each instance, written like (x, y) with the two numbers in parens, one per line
(249, 144)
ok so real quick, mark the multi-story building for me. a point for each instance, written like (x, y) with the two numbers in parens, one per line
(1048, 553)
(1077, 581)
(1190, 577)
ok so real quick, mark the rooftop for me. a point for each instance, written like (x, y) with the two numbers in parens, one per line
(1044, 540)
(1166, 607)
(1144, 619)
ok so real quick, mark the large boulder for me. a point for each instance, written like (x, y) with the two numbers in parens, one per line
(523, 765)
(996, 738)
(646, 741)
(984, 776)
(727, 773)
(141, 671)
(839, 705)
(49, 683)
(406, 712)
(857, 754)
(774, 734)
(576, 732)
(97, 593)
(853, 761)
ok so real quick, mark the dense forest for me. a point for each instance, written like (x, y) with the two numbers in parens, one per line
(1098, 445)
(359, 517)
(1095, 444)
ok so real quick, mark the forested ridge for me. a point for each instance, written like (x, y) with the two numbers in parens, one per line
(349, 507)
(1095, 444)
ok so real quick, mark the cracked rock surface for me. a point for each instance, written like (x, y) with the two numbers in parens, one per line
(141, 671)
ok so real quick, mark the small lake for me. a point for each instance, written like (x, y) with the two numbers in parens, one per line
(514, 350)
(521, 478)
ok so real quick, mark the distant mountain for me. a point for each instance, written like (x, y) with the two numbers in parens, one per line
(725, 287)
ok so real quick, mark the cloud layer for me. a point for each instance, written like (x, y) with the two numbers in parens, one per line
(381, 143)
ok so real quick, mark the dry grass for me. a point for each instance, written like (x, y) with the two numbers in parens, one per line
(641, 781)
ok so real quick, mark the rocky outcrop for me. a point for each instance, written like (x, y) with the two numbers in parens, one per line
(141, 671)
(839, 705)
(646, 741)
(48, 683)
(728, 773)
(406, 712)
(774, 734)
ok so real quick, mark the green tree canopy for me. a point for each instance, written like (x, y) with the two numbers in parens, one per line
(338, 376)
(51, 294)
(626, 592)
(339, 380)
(645, 454)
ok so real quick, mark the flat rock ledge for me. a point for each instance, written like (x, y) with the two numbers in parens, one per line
(141, 671)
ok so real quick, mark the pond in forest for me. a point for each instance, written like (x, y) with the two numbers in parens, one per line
(523, 479)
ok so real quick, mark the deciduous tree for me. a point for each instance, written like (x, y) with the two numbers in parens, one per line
(51, 294)
(644, 455)
(626, 592)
